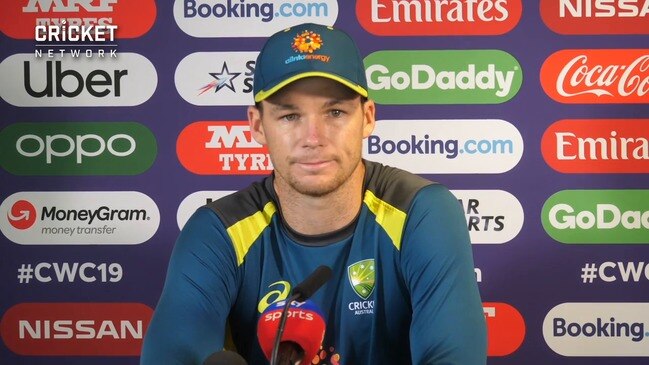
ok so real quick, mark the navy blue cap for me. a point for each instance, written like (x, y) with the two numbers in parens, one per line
(308, 50)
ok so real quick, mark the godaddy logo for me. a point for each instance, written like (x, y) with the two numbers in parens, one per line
(443, 77)
(77, 148)
(598, 216)
(362, 277)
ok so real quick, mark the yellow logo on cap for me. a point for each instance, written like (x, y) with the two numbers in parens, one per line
(307, 42)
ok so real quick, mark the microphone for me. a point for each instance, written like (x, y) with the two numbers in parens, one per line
(301, 292)
(303, 335)
(225, 358)
(312, 283)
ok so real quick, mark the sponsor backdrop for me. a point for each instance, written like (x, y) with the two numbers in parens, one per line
(119, 118)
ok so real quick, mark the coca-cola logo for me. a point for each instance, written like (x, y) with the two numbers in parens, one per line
(597, 76)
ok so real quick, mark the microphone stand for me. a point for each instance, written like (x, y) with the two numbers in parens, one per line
(280, 328)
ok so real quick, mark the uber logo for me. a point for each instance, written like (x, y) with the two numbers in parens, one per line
(128, 80)
(99, 83)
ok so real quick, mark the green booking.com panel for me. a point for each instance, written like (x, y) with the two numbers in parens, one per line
(443, 77)
(77, 148)
(598, 216)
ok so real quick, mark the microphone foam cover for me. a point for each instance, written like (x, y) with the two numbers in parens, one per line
(305, 326)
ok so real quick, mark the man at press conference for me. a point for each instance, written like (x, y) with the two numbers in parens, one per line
(385, 253)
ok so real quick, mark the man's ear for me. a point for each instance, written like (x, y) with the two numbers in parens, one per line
(256, 128)
(369, 118)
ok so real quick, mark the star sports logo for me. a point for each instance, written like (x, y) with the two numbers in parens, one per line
(22, 215)
(222, 79)
(362, 277)
(307, 42)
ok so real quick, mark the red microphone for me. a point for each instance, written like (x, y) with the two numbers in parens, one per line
(303, 334)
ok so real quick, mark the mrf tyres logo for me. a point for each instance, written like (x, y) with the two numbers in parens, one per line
(249, 18)
(436, 18)
(442, 77)
(101, 217)
(92, 148)
(362, 278)
(598, 329)
(505, 328)
(76, 21)
(598, 216)
(222, 148)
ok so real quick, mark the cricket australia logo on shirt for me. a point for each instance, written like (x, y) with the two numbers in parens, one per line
(362, 276)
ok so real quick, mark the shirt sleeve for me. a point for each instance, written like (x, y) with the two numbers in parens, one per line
(201, 286)
(448, 324)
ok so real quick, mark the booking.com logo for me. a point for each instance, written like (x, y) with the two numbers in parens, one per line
(267, 11)
(450, 148)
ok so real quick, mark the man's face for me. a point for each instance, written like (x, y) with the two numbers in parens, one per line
(314, 129)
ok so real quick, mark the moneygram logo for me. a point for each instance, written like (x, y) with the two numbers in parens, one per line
(222, 148)
(493, 216)
(438, 18)
(598, 329)
(442, 77)
(65, 81)
(116, 148)
(216, 78)
(505, 328)
(445, 146)
(597, 216)
(597, 146)
(196, 200)
(248, 18)
(22, 215)
(75, 329)
(19, 19)
(81, 218)
(597, 76)
(596, 17)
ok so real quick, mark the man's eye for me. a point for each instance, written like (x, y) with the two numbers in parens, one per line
(290, 117)
(336, 113)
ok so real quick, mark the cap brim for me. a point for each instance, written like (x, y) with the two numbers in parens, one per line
(263, 94)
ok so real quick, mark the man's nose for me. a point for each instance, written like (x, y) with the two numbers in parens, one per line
(313, 132)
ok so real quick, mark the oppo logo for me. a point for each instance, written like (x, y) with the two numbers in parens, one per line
(128, 80)
(196, 200)
(75, 329)
(438, 18)
(92, 148)
(596, 17)
(597, 146)
(598, 216)
(73, 145)
(493, 216)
